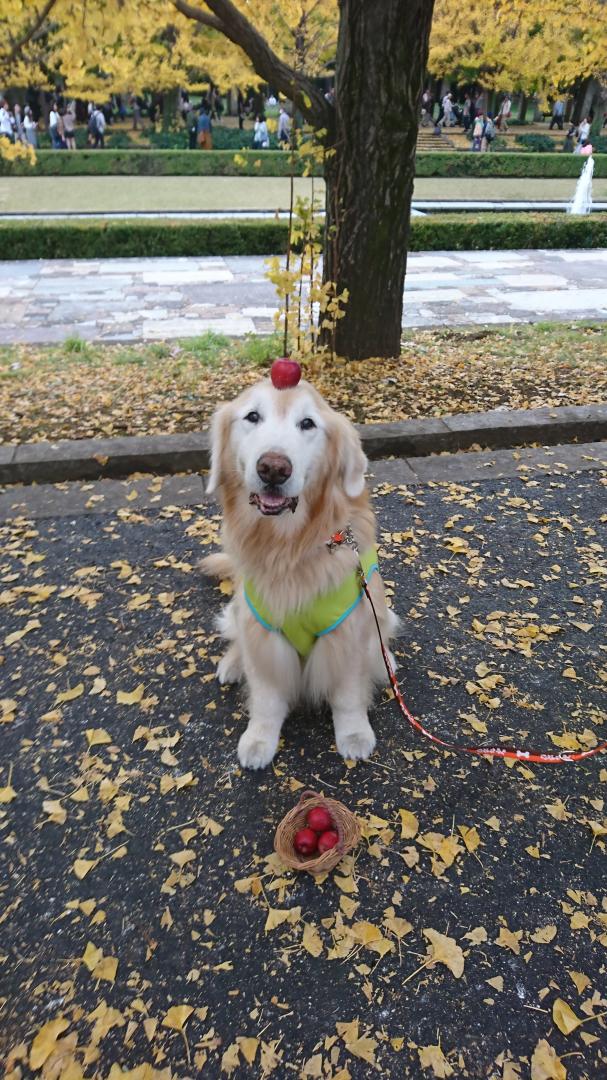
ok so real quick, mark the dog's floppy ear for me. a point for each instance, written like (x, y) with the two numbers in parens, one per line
(353, 463)
(220, 430)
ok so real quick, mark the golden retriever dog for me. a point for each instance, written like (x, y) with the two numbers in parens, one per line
(290, 472)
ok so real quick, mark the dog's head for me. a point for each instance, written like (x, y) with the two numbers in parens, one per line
(274, 447)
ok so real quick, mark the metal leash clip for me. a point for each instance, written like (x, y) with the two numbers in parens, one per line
(341, 538)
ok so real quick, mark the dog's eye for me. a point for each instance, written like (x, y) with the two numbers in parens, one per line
(252, 417)
(307, 424)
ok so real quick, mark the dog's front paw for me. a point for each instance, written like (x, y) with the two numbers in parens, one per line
(256, 749)
(356, 745)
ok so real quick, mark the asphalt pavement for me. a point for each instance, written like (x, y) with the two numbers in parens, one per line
(126, 825)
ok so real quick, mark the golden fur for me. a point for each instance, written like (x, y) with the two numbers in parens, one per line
(289, 562)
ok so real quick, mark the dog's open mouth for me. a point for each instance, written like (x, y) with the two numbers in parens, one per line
(271, 502)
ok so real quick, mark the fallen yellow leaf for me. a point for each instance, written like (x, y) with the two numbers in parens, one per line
(132, 698)
(44, 1042)
(177, 1017)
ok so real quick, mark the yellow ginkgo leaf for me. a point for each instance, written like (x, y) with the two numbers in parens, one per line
(445, 950)
(177, 1017)
(91, 956)
(564, 1017)
(545, 1063)
(81, 867)
(97, 736)
(106, 968)
(45, 1041)
(248, 1047)
(56, 812)
(312, 941)
(7, 794)
(409, 825)
(230, 1059)
(70, 695)
(132, 698)
(432, 1057)
(278, 916)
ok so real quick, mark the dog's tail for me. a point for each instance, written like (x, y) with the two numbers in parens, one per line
(217, 565)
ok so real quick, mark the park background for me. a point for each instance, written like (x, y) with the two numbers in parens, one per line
(147, 928)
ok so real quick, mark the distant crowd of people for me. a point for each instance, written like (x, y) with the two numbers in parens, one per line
(17, 125)
(484, 126)
(469, 113)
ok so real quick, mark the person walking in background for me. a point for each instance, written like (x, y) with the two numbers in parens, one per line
(489, 133)
(30, 128)
(204, 128)
(19, 132)
(241, 110)
(62, 145)
(136, 107)
(446, 116)
(53, 121)
(558, 112)
(426, 108)
(98, 120)
(69, 129)
(261, 139)
(6, 122)
(477, 131)
(583, 130)
(284, 126)
(504, 112)
(568, 146)
(467, 112)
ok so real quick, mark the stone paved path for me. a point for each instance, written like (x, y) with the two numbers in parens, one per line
(153, 299)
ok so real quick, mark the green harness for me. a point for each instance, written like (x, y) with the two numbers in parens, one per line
(301, 628)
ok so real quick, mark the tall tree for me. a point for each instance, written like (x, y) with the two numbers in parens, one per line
(369, 131)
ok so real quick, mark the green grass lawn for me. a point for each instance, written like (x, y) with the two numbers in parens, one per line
(39, 194)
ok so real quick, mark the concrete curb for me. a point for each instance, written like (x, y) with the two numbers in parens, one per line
(94, 459)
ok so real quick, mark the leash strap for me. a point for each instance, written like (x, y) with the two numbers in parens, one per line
(346, 537)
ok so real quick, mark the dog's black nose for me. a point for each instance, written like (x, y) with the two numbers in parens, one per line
(274, 469)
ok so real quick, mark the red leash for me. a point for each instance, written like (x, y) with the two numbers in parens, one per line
(345, 536)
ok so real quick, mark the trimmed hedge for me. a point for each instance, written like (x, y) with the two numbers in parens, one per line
(477, 232)
(153, 163)
(276, 163)
(140, 239)
(506, 165)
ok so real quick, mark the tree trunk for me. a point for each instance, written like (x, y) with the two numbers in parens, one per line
(170, 102)
(583, 98)
(381, 59)
(522, 112)
(597, 108)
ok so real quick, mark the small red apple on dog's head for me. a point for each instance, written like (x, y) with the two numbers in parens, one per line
(285, 373)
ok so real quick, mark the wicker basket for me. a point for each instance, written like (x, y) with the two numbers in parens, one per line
(346, 826)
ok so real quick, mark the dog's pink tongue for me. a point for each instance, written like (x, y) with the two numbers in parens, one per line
(272, 500)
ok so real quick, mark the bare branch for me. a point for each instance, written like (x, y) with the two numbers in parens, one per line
(295, 86)
(28, 35)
